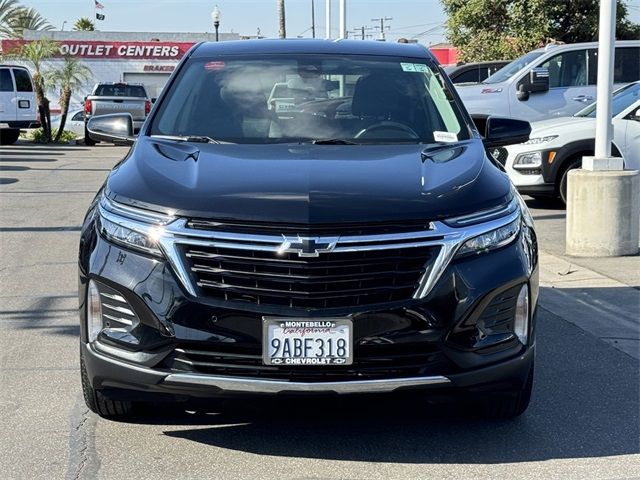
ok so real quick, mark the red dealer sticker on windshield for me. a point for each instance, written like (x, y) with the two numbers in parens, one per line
(214, 65)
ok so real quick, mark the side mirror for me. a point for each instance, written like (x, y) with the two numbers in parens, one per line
(113, 128)
(537, 81)
(635, 115)
(499, 131)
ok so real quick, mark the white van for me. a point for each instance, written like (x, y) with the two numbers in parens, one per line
(555, 81)
(18, 107)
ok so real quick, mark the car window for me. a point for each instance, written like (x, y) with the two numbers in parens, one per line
(470, 75)
(509, 70)
(6, 83)
(626, 65)
(78, 117)
(567, 69)
(623, 98)
(291, 98)
(120, 90)
(23, 81)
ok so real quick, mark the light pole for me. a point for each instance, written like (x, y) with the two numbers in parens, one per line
(215, 17)
(63, 24)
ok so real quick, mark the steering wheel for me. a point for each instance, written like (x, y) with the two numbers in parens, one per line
(387, 129)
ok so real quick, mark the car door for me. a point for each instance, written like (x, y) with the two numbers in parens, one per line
(76, 123)
(25, 96)
(569, 88)
(7, 96)
(631, 148)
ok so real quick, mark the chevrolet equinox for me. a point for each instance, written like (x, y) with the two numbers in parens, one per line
(348, 235)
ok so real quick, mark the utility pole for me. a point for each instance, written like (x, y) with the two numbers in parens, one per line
(327, 22)
(382, 27)
(282, 31)
(313, 19)
(343, 19)
(361, 30)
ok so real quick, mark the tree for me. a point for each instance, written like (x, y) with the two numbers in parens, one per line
(22, 19)
(499, 29)
(35, 53)
(70, 76)
(282, 28)
(84, 24)
(8, 11)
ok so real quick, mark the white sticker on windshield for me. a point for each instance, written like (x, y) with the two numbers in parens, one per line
(446, 137)
(420, 67)
(408, 67)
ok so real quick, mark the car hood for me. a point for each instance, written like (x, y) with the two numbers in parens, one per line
(557, 126)
(308, 184)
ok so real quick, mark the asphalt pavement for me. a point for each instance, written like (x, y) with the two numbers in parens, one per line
(583, 422)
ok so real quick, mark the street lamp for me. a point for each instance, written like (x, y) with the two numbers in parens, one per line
(215, 17)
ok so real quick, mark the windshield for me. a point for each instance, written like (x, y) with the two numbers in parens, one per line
(293, 98)
(510, 69)
(622, 99)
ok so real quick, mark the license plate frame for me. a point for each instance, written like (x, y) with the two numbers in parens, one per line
(314, 328)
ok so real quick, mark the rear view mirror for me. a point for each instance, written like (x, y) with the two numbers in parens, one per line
(536, 81)
(498, 131)
(113, 128)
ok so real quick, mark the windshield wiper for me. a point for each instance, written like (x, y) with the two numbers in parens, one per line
(190, 138)
(333, 141)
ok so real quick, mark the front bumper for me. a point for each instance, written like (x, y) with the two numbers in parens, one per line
(119, 379)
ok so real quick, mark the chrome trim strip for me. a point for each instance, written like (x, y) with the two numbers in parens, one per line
(252, 385)
(124, 321)
(115, 308)
(117, 298)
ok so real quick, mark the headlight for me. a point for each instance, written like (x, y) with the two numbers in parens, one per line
(134, 228)
(539, 140)
(528, 161)
(491, 240)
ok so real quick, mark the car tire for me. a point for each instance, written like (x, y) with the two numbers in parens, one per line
(503, 406)
(562, 184)
(9, 136)
(87, 139)
(98, 403)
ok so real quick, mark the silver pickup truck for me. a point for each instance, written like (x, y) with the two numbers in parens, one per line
(120, 97)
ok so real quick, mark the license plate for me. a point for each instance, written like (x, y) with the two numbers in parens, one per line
(320, 342)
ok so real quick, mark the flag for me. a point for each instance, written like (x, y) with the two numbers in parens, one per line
(98, 4)
(99, 16)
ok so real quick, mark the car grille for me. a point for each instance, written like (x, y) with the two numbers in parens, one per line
(370, 362)
(331, 280)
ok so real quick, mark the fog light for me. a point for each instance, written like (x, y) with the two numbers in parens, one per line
(94, 312)
(521, 321)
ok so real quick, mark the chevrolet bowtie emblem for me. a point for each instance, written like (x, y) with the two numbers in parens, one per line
(307, 246)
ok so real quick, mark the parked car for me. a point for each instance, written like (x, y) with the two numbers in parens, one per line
(555, 81)
(473, 73)
(74, 123)
(18, 108)
(239, 251)
(540, 166)
(106, 98)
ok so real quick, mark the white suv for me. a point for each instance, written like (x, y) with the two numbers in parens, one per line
(18, 107)
(555, 81)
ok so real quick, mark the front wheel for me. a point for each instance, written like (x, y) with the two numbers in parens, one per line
(562, 187)
(504, 406)
(9, 136)
(87, 139)
(98, 403)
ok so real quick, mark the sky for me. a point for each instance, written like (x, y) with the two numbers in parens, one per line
(422, 19)
(410, 17)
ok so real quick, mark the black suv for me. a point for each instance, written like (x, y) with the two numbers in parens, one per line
(351, 237)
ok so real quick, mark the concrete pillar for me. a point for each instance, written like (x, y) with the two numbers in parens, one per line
(603, 213)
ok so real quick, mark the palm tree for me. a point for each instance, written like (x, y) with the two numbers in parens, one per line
(35, 53)
(84, 24)
(71, 75)
(8, 9)
(282, 31)
(25, 19)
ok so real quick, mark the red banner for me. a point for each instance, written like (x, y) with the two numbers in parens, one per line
(113, 50)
